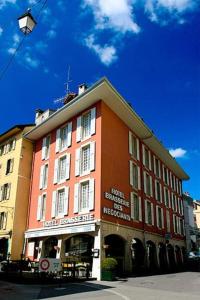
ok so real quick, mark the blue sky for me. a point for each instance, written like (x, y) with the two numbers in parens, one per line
(149, 50)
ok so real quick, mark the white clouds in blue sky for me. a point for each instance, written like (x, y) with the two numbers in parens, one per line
(178, 152)
(1, 30)
(3, 3)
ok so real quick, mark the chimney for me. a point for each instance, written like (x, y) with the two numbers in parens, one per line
(38, 113)
(82, 88)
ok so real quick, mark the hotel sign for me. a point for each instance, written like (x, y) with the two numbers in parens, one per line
(67, 221)
(119, 203)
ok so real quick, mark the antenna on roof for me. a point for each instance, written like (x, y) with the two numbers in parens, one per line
(68, 94)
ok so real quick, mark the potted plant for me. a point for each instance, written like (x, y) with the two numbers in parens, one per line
(109, 266)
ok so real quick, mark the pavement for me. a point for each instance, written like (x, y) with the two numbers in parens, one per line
(175, 286)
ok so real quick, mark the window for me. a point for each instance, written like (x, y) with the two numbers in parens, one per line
(181, 206)
(60, 202)
(43, 176)
(147, 184)
(173, 198)
(149, 214)
(64, 137)
(168, 221)
(159, 216)
(165, 175)
(46, 147)
(158, 191)
(41, 207)
(134, 175)
(133, 146)
(136, 212)
(3, 220)
(9, 166)
(84, 196)
(166, 197)
(86, 125)
(85, 159)
(62, 169)
(7, 147)
(146, 158)
(5, 191)
(175, 223)
(156, 167)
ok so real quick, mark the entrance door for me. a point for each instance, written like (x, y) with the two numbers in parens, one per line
(50, 247)
(3, 248)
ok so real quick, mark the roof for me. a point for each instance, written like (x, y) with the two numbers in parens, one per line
(103, 90)
(13, 130)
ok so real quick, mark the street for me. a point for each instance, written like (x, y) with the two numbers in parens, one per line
(163, 287)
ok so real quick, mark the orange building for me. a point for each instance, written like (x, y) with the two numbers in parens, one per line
(103, 185)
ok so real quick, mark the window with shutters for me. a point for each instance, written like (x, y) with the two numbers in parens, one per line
(136, 207)
(149, 213)
(84, 196)
(86, 124)
(44, 176)
(63, 137)
(9, 166)
(158, 191)
(3, 219)
(85, 159)
(134, 175)
(159, 216)
(147, 184)
(62, 169)
(62, 164)
(60, 202)
(166, 197)
(133, 146)
(156, 167)
(5, 191)
(46, 147)
(41, 210)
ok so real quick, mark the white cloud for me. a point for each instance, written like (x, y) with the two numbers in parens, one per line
(32, 2)
(11, 50)
(51, 34)
(178, 152)
(115, 15)
(163, 11)
(30, 61)
(1, 30)
(107, 54)
(41, 46)
(3, 3)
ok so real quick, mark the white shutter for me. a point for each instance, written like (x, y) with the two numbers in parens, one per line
(143, 154)
(1, 190)
(8, 192)
(77, 162)
(57, 140)
(5, 220)
(152, 213)
(78, 129)
(132, 206)
(146, 214)
(156, 191)
(76, 197)
(131, 172)
(161, 193)
(130, 143)
(139, 179)
(67, 166)
(44, 141)
(66, 201)
(157, 216)
(13, 144)
(55, 178)
(53, 206)
(92, 156)
(151, 186)
(69, 134)
(93, 121)
(91, 194)
(149, 153)
(41, 177)
(39, 208)
(140, 208)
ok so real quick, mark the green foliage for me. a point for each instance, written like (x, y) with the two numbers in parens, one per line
(109, 264)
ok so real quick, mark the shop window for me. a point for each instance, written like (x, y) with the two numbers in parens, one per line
(85, 159)
(86, 125)
(79, 246)
(43, 176)
(50, 247)
(46, 147)
(63, 137)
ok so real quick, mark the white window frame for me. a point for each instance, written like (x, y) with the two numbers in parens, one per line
(3, 220)
(158, 208)
(133, 207)
(77, 195)
(145, 184)
(46, 147)
(156, 191)
(78, 159)
(166, 182)
(54, 207)
(146, 213)
(149, 166)
(41, 204)
(159, 167)
(68, 127)
(168, 220)
(169, 200)
(79, 129)
(135, 185)
(43, 184)
(56, 179)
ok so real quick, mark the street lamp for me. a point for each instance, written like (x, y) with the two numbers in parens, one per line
(27, 22)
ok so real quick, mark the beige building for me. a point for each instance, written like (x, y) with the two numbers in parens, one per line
(15, 173)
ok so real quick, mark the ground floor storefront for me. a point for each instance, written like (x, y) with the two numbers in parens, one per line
(87, 244)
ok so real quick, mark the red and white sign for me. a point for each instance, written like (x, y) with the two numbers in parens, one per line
(49, 265)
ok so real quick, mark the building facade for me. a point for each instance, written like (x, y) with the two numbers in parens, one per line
(15, 173)
(196, 212)
(103, 185)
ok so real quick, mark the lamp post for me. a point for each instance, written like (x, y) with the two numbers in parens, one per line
(27, 22)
